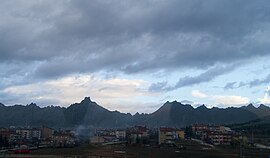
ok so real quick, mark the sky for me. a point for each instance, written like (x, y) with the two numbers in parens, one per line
(133, 56)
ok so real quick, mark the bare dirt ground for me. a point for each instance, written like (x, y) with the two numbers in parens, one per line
(193, 150)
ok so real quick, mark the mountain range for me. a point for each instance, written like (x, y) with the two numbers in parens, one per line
(89, 113)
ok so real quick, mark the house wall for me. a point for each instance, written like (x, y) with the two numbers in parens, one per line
(97, 140)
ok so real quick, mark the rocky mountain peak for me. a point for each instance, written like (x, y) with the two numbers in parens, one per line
(202, 107)
(262, 106)
(86, 100)
(250, 106)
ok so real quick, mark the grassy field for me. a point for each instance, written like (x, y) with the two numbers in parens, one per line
(193, 150)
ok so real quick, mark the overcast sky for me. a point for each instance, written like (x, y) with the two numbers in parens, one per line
(135, 55)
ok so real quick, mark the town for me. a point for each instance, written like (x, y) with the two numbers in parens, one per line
(14, 138)
(190, 141)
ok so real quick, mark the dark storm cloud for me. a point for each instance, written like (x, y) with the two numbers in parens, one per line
(190, 81)
(67, 37)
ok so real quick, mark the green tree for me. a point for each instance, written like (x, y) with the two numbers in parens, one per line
(188, 132)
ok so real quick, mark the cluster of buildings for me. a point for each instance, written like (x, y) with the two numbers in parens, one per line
(133, 135)
(140, 135)
(36, 137)
(217, 135)
(108, 135)
(170, 135)
(137, 135)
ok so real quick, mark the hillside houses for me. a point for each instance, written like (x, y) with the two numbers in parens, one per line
(169, 135)
(108, 135)
(38, 137)
(217, 135)
(136, 135)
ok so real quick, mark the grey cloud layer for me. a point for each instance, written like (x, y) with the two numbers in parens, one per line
(190, 81)
(66, 37)
(250, 84)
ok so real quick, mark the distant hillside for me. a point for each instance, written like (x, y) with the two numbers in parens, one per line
(89, 113)
(175, 113)
(257, 131)
(261, 111)
(84, 113)
(19, 115)
(253, 125)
